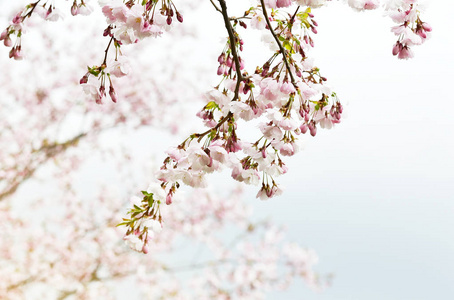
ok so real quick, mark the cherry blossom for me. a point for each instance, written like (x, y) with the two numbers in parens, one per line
(287, 93)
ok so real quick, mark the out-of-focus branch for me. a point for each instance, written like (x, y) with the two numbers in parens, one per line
(50, 151)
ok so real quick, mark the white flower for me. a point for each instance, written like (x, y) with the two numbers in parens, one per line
(119, 67)
(258, 21)
(158, 192)
(311, 3)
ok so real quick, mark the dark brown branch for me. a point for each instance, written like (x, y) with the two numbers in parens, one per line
(281, 48)
(232, 39)
(107, 50)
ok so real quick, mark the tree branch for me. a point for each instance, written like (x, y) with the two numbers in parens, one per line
(215, 6)
(50, 151)
(232, 39)
(281, 48)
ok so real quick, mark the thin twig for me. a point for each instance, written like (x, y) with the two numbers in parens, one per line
(281, 48)
(215, 6)
(107, 50)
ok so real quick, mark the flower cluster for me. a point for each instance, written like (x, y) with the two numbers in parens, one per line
(130, 22)
(287, 92)
(411, 31)
(47, 11)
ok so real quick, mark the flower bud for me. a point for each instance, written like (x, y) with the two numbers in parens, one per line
(426, 27)
(221, 58)
(169, 199)
(74, 9)
(112, 94)
(169, 20)
(421, 33)
(179, 17)
(84, 79)
(312, 129)
(8, 42)
(397, 47)
(229, 61)
(221, 69)
(17, 19)
(3, 35)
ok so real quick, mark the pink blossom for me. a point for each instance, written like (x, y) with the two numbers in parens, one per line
(405, 53)
(258, 21)
(283, 3)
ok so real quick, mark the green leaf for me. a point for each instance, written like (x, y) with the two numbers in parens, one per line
(94, 70)
(287, 46)
(212, 105)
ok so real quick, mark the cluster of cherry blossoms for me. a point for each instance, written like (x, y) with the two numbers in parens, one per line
(60, 240)
(286, 94)
(128, 23)
(411, 31)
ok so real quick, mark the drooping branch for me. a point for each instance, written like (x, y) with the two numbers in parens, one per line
(50, 151)
(232, 40)
(281, 48)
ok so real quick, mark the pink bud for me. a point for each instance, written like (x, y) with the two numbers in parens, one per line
(312, 129)
(221, 69)
(397, 47)
(179, 17)
(74, 9)
(221, 58)
(421, 33)
(169, 20)
(112, 94)
(8, 42)
(426, 27)
(314, 22)
(17, 53)
(145, 249)
(98, 99)
(84, 79)
(169, 199)
(102, 90)
(314, 30)
(229, 62)
(17, 19)
(3, 35)
(303, 128)
(149, 5)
